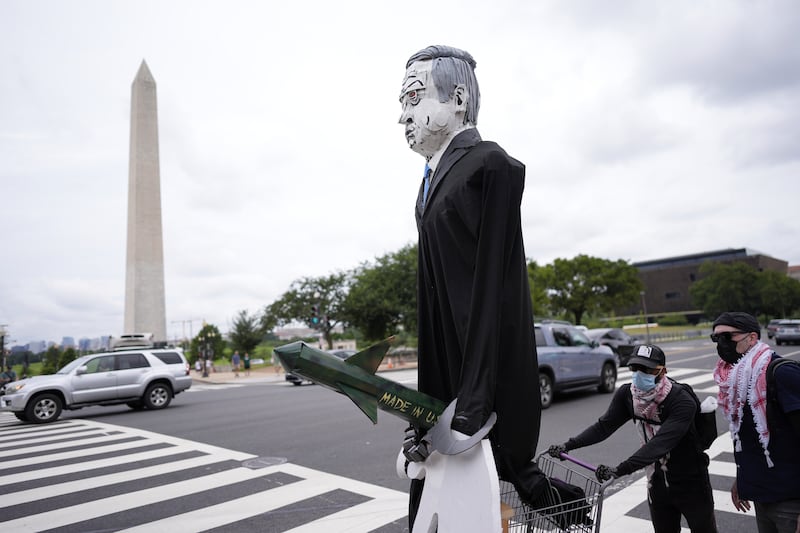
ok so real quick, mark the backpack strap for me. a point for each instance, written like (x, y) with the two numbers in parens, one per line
(773, 406)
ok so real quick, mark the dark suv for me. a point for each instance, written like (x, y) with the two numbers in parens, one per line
(619, 341)
(140, 378)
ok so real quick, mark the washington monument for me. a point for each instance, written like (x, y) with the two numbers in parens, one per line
(144, 272)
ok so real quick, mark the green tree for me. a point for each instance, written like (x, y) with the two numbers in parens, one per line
(383, 296)
(67, 356)
(50, 360)
(246, 332)
(539, 297)
(208, 337)
(727, 287)
(780, 294)
(327, 293)
(588, 284)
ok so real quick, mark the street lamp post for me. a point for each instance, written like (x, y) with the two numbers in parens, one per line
(204, 354)
(646, 321)
(3, 333)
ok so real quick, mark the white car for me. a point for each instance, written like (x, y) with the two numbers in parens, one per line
(139, 378)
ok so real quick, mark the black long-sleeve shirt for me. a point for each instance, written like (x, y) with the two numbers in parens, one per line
(676, 439)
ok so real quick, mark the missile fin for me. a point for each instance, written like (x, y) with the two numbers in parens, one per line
(365, 402)
(370, 359)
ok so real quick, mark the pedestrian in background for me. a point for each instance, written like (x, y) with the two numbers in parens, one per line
(8, 376)
(664, 416)
(236, 360)
(246, 364)
(766, 451)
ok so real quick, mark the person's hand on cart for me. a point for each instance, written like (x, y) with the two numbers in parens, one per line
(556, 450)
(604, 473)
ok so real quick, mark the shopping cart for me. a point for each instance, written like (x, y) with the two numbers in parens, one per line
(555, 511)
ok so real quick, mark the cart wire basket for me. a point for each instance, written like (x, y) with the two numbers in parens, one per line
(555, 510)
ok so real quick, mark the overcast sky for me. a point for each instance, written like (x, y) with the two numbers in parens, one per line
(648, 129)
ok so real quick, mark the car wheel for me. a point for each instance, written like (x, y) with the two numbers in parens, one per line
(43, 408)
(297, 383)
(778, 341)
(136, 406)
(157, 396)
(608, 378)
(546, 390)
(21, 415)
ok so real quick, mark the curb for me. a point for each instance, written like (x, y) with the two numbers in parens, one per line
(266, 377)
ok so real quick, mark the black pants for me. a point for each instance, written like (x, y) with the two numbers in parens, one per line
(693, 500)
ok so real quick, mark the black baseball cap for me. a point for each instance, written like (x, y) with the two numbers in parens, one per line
(647, 355)
(744, 322)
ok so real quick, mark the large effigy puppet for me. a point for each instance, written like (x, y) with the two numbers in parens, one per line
(477, 411)
(476, 342)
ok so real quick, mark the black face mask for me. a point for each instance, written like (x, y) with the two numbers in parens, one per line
(726, 349)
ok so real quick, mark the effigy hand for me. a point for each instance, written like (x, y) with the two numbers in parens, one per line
(415, 448)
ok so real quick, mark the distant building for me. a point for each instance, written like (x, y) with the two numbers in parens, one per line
(667, 281)
(794, 272)
(36, 346)
(67, 342)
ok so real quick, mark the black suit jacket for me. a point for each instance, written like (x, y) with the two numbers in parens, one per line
(476, 338)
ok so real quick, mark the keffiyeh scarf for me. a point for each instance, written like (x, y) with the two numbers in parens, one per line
(645, 405)
(746, 382)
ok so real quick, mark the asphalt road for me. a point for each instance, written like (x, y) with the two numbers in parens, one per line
(315, 428)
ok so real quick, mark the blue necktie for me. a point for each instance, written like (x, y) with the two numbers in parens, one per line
(426, 181)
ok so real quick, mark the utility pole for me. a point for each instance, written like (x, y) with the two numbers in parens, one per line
(183, 328)
(3, 333)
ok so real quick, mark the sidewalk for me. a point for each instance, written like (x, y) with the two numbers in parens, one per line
(269, 375)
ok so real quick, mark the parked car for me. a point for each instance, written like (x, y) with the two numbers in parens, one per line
(788, 332)
(773, 326)
(139, 378)
(620, 342)
(299, 380)
(569, 360)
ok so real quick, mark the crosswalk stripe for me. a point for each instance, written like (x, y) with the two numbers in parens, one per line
(59, 489)
(21, 432)
(722, 468)
(389, 505)
(8, 479)
(29, 461)
(123, 502)
(37, 449)
(361, 518)
(75, 437)
(722, 502)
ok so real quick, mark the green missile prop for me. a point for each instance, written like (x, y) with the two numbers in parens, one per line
(355, 378)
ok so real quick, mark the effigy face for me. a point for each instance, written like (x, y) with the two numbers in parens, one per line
(428, 122)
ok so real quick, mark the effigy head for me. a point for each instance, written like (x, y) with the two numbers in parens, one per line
(440, 94)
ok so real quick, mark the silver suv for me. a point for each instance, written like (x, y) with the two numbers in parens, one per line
(142, 378)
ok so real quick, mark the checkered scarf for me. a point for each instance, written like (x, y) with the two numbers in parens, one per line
(645, 405)
(746, 382)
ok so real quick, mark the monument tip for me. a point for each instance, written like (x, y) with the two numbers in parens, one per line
(144, 73)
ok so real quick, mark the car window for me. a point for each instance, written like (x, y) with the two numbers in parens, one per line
(539, 334)
(126, 361)
(170, 358)
(100, 364)
(577, 338)
(69, 367)
(561, 337)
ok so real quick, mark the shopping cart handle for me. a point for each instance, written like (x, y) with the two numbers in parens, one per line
(578, 461)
